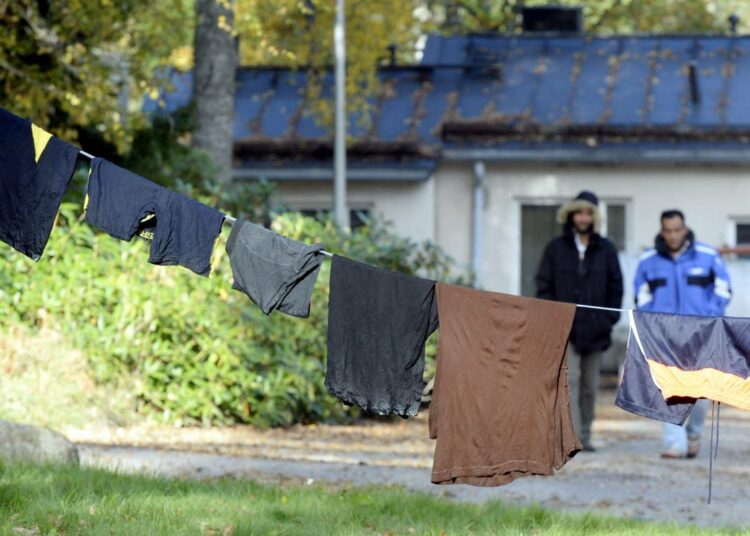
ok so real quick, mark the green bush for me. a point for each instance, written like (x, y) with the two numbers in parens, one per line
(196, 350)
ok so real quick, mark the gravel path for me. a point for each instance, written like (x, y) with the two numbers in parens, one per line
(625, 477)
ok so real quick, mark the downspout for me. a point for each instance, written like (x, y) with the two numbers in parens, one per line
(476, 230)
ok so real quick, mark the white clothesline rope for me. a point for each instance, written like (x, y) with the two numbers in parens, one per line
(227, 218)
(604, 308)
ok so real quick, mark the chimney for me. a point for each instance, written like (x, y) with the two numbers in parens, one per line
(734, 21)
(695, 92)
(392, 48)
(552, 19)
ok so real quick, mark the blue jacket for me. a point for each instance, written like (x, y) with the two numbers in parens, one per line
(696, 283)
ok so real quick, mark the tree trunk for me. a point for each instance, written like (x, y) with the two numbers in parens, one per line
(213, 82)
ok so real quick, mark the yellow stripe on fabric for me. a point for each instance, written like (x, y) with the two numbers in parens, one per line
(708, 383)
(86, 199)
(215, 254)
(41, 139)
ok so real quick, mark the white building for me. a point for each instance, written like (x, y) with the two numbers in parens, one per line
(476, 146)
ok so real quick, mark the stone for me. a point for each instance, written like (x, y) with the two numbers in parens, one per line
(24, 442)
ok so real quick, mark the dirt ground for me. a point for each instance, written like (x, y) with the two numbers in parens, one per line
(625, 477)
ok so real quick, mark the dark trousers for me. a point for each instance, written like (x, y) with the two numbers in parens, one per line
(583, 377)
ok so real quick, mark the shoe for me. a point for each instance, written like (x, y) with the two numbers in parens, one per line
(588, 447)
(694, 446)
(673, 455)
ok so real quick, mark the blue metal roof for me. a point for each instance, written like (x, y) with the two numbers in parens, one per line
(501, 90)
(626, 80)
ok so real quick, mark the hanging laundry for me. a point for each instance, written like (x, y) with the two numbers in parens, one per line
(501, 407)
(672, 360)
(274, 271)
(378, 322)
(184, 230)
(35, 169)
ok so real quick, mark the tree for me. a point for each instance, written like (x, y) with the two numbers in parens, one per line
(79, 65)
(213, 82)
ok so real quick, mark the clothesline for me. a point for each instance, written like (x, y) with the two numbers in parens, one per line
(648, 384)
(229, 219)
(614, 310)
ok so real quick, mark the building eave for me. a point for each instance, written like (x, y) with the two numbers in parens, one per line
(394, 172)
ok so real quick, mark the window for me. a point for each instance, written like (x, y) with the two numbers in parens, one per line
(357, 217)
(615, 224)
(539, 226)
(741, 230)
(743, 234)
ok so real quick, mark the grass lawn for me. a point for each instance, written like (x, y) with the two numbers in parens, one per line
(49, 500)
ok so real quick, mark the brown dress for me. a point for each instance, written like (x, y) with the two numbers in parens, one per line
(501, 405)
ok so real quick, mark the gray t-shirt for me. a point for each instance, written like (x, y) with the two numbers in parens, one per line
(273, 270)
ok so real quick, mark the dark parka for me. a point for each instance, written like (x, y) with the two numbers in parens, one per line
(596, 280)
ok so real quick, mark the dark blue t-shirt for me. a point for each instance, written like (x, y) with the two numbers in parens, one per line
(185, 230)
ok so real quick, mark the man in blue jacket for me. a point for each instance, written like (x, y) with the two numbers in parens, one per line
(681, 275)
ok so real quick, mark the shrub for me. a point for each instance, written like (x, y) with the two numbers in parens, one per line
(196, 350)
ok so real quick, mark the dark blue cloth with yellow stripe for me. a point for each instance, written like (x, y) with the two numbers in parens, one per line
(35, 169)
(673, 360)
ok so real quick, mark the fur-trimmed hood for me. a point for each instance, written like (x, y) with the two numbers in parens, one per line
(563, 215)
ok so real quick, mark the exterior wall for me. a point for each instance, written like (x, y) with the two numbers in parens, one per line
(453, 198)
(410, 206)
(710, 197)
(440, 210)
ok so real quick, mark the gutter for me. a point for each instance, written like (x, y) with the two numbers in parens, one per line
(610, 156)
(404, 174)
